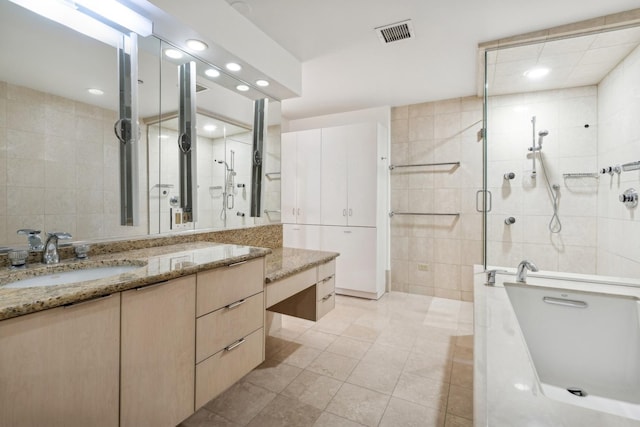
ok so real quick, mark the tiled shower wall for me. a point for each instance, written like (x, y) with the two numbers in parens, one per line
(434, 255)
(570, 116)
(619, 143)
(59, 167)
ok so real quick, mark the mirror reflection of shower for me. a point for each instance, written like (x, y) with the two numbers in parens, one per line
(554, 226)
(228, 197)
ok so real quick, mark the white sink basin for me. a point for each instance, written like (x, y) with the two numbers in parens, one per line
(73, 276)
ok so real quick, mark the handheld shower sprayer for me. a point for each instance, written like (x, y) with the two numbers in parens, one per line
(541, 136)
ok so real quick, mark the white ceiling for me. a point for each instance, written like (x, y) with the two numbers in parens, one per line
(345, 67)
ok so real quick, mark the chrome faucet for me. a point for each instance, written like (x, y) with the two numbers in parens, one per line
(50, 253)
(35, 241)
(521, 274)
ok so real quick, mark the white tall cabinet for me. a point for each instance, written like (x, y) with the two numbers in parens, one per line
(300, 174)
(352, 203)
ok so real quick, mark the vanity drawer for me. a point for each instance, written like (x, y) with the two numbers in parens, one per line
(222, 286)
(325, 305)
(327, 269)
(217, 373)
(285, 288)
(325, 287)
(217, 330)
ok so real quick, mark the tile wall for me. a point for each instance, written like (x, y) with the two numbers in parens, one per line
(619, 143)
(434, 255)
(570, 116)
(59, 167)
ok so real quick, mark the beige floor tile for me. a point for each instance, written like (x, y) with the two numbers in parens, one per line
(362, 332)
(462, 374)
(465, 341)
(386, 356)
(273, 345)
(455, 421)
(359, 404)
(316, 339)
(313, 389)
(429, 346)
(423, 391)
(205, 418)
(399, 412)
(460, 402)
(436, 366)
(328, 419)
(286, 412)
(273, 375)
(375, 377)
(462, 354)
(350, 347)
(296, 354)
(333, 324)
(401, 341)
(333, 365)
(241, 402)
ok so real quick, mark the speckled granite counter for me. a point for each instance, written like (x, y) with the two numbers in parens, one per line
(156, 264)
(285, 262)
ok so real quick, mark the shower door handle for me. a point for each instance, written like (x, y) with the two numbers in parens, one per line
(490, 201)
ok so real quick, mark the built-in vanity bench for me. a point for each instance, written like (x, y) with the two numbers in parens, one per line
(300, 282)
(150, 346)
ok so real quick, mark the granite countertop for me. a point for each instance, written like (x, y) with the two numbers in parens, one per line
(506, 388)
(285, 262)
(156, 264)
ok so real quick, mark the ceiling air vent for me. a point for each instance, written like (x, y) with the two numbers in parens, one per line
(200, 88)
(394, 32)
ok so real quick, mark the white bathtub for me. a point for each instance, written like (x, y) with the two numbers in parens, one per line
(585, 346)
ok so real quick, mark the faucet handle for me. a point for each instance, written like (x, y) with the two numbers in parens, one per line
(35, 241)
(60, 235)
(491, 276)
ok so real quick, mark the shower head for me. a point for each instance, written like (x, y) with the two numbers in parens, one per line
(541, 135)
(223, 162)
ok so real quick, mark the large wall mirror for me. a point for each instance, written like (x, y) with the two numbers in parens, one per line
(59, 157)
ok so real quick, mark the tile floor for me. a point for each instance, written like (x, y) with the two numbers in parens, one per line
(404, 360)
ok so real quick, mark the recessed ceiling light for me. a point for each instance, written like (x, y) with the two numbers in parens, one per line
(232, 66)
(197, 45)
(173, 53)
(164, 136)
(210, 128)
(536, 73)
(94, 91)
(212, 72)
(262, 83)
(242, 88)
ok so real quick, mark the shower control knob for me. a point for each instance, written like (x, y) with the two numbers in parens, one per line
(509, 175)
(629, 198)
(510, 220)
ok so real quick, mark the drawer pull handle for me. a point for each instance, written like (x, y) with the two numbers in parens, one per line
(154, 285)
(235, 304)
(237, 263)
(234, 345)
(327, 297)
(76, 304)
(326, 279)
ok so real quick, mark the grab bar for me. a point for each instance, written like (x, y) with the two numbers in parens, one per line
(392, 167)
(581, 175)
(392, 213)
(565, 302)
(268, 211)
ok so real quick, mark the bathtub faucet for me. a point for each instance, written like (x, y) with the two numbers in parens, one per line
(521, 275)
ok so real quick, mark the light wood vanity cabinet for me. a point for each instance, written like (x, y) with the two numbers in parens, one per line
(309, 294)
(60, 367)
(229, 326)
(158, 352)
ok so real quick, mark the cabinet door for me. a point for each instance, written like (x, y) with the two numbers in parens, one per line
(356, 266)
(334, 175)
(362, 161)
(301, 236)
(308, 172)
(288, 177)
(158, 354)
(60, 367)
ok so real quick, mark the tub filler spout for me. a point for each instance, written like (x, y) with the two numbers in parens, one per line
(521, 275)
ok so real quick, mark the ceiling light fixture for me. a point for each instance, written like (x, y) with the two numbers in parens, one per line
(536, 73)
(232, 66)
(197, 45)
(212, 72)
(210, 128)
(242, 88)
(95, 91)
(103, 20)
(173, 53)
(262, 83)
